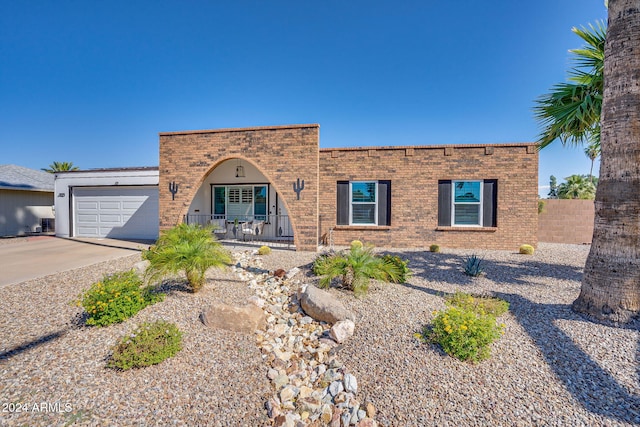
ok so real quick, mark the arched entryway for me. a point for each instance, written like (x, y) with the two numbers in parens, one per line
(286, 156)
(241, 203)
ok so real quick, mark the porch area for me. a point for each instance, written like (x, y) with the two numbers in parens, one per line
(250, 230)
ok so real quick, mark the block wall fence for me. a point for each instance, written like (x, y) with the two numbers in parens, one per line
(566, 221)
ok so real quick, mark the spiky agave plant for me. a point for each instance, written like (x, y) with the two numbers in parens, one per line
(356, 267)
(188, 249)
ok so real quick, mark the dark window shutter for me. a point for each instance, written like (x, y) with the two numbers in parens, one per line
(489, 202)
(444, 203)
(342, 215)
(384, 202)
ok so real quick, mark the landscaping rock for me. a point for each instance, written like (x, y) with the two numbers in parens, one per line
(301, 351)
(342, 331)
(371, 410)
(367, 422)
(292, 272)
(323, 306)
(245, 319)
(140, 267)
(350, 383)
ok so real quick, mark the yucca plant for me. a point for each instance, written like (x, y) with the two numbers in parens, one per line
(355, 267)
(188, 249)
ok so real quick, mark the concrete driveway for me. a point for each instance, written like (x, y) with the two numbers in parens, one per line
(32, 257)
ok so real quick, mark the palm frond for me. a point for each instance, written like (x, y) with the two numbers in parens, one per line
(571, 111)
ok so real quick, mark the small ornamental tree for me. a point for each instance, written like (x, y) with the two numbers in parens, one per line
(356, 267)
(187, 249)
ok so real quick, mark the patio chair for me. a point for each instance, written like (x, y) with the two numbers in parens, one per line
(219, 227)
(251, 228)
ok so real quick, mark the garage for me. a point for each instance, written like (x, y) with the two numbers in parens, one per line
(117, 203)
(116, 212)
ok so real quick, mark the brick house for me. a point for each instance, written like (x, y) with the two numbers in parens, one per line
(277, 182)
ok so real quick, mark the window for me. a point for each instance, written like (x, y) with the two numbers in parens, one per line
(467, 203)
(219, 201)
(234, 195)
(260, 202)
(240, 202)
(467, 197)
(363, 203)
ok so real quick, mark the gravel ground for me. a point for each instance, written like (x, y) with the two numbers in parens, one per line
(550, 368)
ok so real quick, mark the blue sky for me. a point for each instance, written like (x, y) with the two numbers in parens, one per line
(94, 82)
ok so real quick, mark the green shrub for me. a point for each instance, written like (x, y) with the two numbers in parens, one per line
(473, 266)
(402, 265)
(526, 249)
(149, 344)
(264, 250)
(464, 334)
(318, 263)
(188, 249)
(495, 307)
(355, 268)
(434, 248)
(116, 298)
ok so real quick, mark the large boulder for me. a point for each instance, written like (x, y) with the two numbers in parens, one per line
(323, 306)
(245, 319)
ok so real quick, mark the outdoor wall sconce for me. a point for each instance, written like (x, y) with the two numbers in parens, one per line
(239, 170)
(173, 188)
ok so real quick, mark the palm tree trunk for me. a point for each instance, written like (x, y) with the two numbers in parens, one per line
(611, 282)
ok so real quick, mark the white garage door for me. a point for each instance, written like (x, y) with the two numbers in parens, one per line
(116, 212)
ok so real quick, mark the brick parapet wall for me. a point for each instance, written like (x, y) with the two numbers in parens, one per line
(566, 221)
(282, 153)
(414, 173)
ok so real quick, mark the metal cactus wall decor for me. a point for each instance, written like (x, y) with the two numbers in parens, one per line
(298, 187)
(173, 188)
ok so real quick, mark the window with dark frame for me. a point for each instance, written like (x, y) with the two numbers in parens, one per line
(365, 203)
(467, 203)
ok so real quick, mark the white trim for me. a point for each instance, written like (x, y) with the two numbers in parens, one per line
(351, 203)
(480, 204)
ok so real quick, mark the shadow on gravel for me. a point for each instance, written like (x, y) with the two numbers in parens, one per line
(583, 377)
(8, 354)
(590, 385)
(449, 268)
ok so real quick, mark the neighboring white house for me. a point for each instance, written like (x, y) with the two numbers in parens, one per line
(26, 201)
(114, 203)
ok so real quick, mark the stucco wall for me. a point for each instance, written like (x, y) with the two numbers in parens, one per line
(414, 173)
(566, 221)
(21, 211)
(283, 154)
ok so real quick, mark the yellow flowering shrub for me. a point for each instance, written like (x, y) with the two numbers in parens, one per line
(464, 334)
(115, 298)
(495, 307)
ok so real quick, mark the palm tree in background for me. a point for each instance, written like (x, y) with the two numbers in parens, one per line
(571, 111)
(610, 288)
(577, 187)
(60, 167)
(592, 151)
